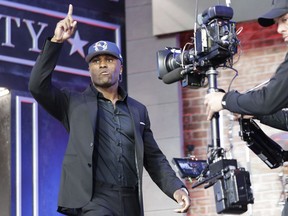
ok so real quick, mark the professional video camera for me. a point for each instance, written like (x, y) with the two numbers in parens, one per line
(215, 43)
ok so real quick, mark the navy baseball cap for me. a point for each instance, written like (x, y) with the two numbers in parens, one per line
(280, 7)
(103, 47)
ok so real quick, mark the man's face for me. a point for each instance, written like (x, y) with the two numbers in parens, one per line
(105, 70)
(282, 23)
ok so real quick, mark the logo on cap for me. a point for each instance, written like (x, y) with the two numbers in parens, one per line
(100, 46)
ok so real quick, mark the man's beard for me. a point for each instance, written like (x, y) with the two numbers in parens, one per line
(103, 84)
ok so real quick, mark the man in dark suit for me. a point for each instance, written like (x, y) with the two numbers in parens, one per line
(110, 140)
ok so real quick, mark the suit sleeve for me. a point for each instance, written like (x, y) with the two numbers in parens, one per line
(157, 165)
(40, 84)
(265, 101)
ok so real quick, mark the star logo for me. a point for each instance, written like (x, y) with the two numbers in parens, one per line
(77, 44)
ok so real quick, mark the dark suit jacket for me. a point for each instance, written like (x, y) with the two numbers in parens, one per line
(78, 113)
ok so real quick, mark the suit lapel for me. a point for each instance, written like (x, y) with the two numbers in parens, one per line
(137, 131)
(135, 118)
(92, 107)
(139, 146)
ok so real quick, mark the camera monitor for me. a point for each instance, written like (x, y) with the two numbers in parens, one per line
(188, 167)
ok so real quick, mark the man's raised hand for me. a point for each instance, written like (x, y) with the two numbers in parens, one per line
(65, 28)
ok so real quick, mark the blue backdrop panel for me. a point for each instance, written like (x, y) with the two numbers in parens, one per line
(36, 141)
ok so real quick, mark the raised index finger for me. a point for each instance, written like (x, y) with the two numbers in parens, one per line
(70, 10)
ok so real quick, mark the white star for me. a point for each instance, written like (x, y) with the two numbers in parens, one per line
(77, 44)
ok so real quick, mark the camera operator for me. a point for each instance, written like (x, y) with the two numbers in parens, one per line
(268, 103)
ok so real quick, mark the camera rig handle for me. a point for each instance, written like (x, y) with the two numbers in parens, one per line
(211, 75)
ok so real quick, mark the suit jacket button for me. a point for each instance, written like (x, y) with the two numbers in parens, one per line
(89, 165)
(91, 144)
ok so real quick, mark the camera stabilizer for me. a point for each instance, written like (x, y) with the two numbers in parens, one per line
(232, 186)
(215, 44)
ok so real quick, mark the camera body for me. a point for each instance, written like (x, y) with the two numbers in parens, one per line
(232, 189)
(231, 185)
(215, 43)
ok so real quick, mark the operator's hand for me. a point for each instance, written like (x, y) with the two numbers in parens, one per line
(213, 103)
(65, 28)
(182, 199)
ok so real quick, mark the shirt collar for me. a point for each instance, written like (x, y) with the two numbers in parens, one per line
(121, 92)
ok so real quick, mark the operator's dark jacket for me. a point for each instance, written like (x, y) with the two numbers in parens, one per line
(77, 111)
(269, 104)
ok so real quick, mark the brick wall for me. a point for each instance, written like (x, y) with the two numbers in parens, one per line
(261, 52)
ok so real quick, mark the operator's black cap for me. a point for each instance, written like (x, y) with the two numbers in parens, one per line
(103, 47)
(280, 7)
